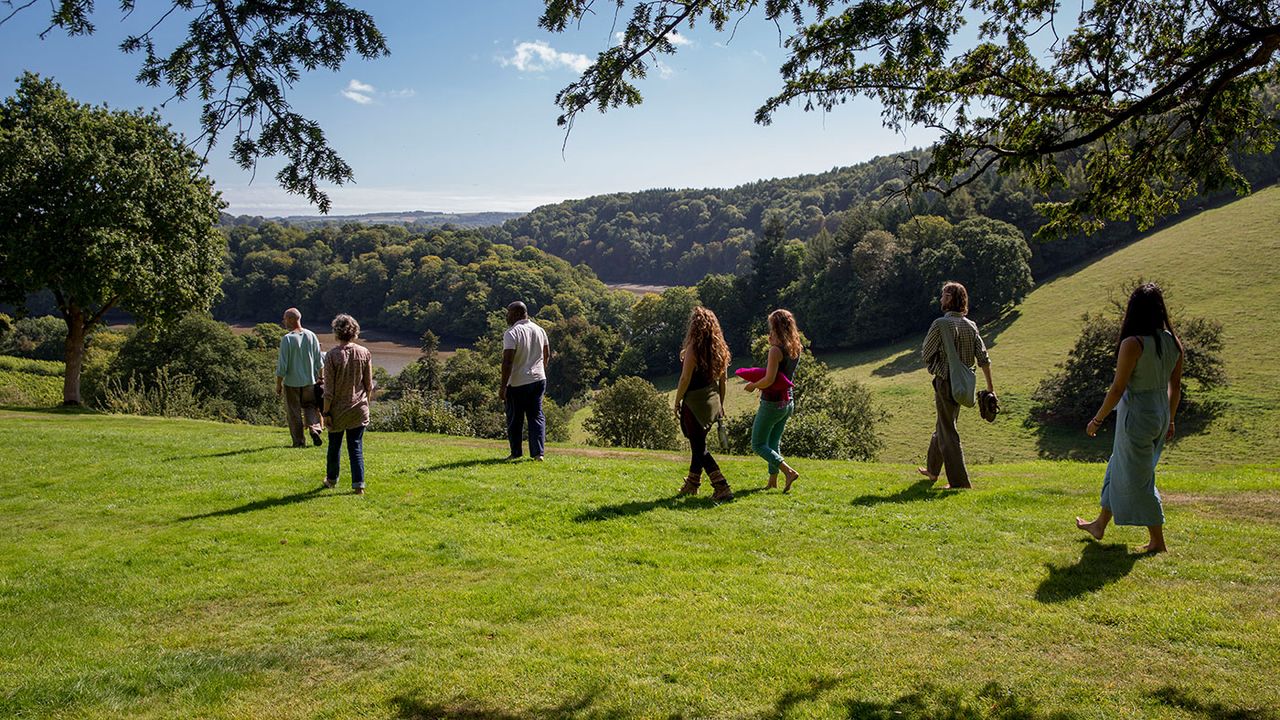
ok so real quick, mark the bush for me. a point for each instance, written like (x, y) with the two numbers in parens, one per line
(414, 412)
(1071, 395)
(164, 395)
(631, 413)
(40, 338)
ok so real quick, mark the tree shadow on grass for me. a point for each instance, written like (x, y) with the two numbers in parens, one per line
(991, 331)
(639, 507)
(474, 462)
(908, 361)
(227, 453)
(1099, 565)
(262, 504)
(915, 492)
(992, 702)
(411, 708)
(1181, 699)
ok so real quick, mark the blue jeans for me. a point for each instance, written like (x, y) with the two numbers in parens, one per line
(355, 451)
(525, 402)
(766, 433)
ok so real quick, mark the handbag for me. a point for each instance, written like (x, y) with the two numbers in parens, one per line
(964, 381)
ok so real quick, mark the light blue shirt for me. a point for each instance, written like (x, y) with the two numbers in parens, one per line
(300, 362)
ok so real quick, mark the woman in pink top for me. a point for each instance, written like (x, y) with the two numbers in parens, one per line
(348, 385)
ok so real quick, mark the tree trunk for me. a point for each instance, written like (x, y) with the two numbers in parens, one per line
(74, 356)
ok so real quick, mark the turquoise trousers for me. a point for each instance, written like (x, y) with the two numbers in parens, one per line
(766, 433)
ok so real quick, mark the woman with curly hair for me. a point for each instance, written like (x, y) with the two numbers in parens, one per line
(1147, 388)
(776, 404)
(348, 386)
(700, 398)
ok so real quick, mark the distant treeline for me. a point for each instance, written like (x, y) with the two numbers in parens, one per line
(671, 236)
(414, 219)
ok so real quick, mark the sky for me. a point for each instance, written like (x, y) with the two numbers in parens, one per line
(461, 116)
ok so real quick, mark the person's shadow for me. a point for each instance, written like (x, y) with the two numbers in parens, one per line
(1099, 565)
(473, 462)
(639, 507)
(917, 491)
(262, 504)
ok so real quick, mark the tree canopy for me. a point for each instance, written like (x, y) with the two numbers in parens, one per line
(1151, 99)
(240, 58)
(105, 208)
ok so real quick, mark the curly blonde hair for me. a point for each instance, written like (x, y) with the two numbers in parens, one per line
(345, 328)
(705, 340)
(782, 327)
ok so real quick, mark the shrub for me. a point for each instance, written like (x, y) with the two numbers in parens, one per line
(40, 338)
(631, 413)
(414, 412)
(165, 394)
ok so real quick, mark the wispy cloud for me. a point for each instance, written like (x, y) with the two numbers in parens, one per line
(365, 94)
(538, 56)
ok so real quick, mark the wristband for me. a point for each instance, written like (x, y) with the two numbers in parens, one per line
(1096, 421)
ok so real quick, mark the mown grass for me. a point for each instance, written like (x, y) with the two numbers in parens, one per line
(168, 568)
(1222, 264)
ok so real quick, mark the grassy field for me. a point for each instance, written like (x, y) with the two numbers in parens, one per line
(1222, 264)
(30, 383)
(167, 568)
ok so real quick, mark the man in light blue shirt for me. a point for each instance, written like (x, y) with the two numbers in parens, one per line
(298, 369)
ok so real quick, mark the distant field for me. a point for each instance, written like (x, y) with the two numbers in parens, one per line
(30, 383)
(1222, 264)
(179, 569)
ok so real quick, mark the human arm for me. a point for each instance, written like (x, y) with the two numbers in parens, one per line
(282, 366)
(932, 344)
(1175, 392)
(329, 385)
(686, 376)
(508, 360)
(770, 371)
(983, 359)
(720, 388)
(368, 377)
(1126, 359)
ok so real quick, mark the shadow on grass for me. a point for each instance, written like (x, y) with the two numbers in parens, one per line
(411, 708)
(474, 462)
(991, 331)
(639, 507)
(915, 492)
(993, 702)
(1181, 699)
(263, 504)
(1060, 442)
(908, 361)
(1099, 565)
(227, 453)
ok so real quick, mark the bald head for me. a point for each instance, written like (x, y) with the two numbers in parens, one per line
(516, 312)
(292, 319)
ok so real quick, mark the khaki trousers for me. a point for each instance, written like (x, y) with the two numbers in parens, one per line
(944, 448)
(299, 403)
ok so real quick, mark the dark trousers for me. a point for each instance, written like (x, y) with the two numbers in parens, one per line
(525, 402)
(700, 459)
(944, 448)
(355, 453)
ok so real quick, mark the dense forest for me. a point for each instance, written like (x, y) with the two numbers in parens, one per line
(669, 236)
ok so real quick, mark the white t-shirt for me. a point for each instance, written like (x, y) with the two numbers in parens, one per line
(528, 340)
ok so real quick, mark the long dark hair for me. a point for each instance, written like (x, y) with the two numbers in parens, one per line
(705, 340)
(1146, 315)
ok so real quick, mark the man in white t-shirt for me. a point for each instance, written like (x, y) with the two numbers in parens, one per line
(525, 354)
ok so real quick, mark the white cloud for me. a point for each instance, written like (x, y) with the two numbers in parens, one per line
(364, 94)
(538, 56)
(664, 70)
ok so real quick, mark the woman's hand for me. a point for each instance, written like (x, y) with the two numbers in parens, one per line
(750, 387)
(1092, 428)
(676, 408)
(1169, 435)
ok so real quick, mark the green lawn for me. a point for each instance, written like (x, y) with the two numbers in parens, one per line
(1223, 264)
(170, 568)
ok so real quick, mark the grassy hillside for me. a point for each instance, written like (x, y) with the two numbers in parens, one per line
(160, 568)
(1223, 264)
(30, 383)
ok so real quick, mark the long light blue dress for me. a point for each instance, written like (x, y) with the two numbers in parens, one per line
(1129, 489)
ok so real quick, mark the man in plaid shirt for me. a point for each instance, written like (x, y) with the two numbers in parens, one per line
(945, 450)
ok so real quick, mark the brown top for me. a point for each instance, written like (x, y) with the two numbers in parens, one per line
(348, 383)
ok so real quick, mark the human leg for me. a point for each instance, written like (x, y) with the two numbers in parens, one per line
(293, 414)
(768, 415)
(333, 459)
(355, 453)
(948, 437)
(537, 421)
(1098, 526)
(1156, 542)
(515, 423)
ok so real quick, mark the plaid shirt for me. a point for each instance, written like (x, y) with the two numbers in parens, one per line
(968, 344)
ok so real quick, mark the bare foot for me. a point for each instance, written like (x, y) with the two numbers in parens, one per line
(1151, 549)
(791, 477)
(773, 482)
(1091, 528)
(922, 471)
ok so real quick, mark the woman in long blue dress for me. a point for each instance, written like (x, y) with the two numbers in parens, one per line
(1147, 388)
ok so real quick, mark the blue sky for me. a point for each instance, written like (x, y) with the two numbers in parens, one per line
(460, 117)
